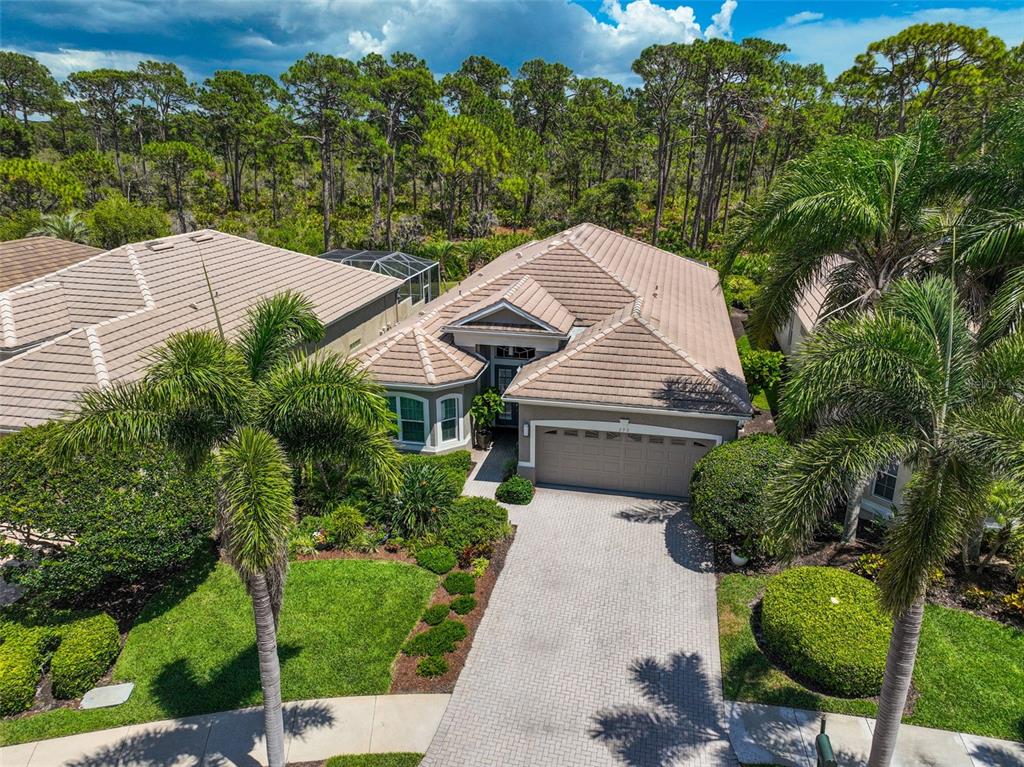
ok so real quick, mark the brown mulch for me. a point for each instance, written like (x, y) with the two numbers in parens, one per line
(404, 678)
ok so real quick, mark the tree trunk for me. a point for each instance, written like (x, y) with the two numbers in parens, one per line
(899, 670)
(853, 510)
(270, 670)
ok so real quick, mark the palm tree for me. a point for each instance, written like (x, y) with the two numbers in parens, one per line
(258, 410)
(908, 382)
(443, 252)
(64, 226)
(852, 216)
(993, 220)
(476, 253)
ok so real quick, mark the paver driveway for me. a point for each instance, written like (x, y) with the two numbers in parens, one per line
(599, 647)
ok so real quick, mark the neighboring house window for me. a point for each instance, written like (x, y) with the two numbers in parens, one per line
(411, 413)
(515, 352)
(885, 482)
(449, 413)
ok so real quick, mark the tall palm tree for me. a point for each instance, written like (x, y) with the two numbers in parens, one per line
(908, 382)
(853, 216)
(258, 410)
(68, 226)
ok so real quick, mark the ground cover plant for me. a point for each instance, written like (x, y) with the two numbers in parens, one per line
(192, 650)
(969, 675)
(398, 759)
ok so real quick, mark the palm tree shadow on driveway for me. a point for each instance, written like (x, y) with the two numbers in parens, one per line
(682, 722)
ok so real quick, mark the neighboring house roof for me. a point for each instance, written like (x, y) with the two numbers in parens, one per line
(657, 328)
(32, 257)
(525, 297)
(93, 323)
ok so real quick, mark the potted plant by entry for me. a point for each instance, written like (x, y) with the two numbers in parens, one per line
(484, 411)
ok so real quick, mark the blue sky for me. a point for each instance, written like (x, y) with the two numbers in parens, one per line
(594, 37)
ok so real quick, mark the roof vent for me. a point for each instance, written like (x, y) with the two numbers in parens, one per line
(159, 245)
(201, 237)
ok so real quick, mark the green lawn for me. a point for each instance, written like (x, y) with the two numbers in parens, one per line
(375, 760)
(192, 649)
(970, 671)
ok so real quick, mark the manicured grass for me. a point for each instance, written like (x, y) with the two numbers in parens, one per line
(375, 760)
(969, 673)
(192, 651)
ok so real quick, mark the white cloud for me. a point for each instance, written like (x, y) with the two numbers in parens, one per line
(363, 42)
(836, 42)
(803, 17)
(64, 61)
(721, 22)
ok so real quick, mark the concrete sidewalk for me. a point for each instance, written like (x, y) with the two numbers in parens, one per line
(314, 730)
(774, 735)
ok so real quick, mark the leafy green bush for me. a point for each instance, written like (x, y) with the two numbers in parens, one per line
(515, 489)
(87, 649)
(869, 565)
(435, 614)
(463, 604)
(136, 517)
(824, 624)
(762, 368)
(432, 665)
(22, 654)
(727, 491)
(740, 291)
(343, 525)
(437, 559)
(427, 491)
(479, 566)
(473, 521)
(460, 583)
(442, 638)
(116, 221)
(80, 649)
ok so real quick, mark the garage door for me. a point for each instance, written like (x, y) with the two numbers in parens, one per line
(611, 460)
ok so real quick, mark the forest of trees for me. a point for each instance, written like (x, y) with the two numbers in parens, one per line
(380, 152)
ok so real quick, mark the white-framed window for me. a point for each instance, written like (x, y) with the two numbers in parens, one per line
(449, 415)
(411, 413)
(885, 482)
(515, 352)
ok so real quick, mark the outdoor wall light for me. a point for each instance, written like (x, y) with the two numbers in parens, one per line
(526, 429)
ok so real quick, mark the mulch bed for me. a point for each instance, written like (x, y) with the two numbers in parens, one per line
(404, 677)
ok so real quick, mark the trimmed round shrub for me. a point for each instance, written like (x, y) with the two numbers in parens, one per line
(460, 583)
(435, 614)
(442, 638)
(728, 491)
(824, 624)
(437, 559)
(432, 665)
(463, 604)
(22, 654)
(87, 649)
(515, 489)
(473, 521)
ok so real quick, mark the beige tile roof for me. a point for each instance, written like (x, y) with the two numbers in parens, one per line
(676, 341)
(119, 305)
(32, 257)
(528, 296)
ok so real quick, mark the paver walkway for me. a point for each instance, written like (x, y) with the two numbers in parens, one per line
(775, 735)
(314, 730)
(599, 645)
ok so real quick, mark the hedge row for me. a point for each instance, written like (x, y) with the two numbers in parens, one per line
(80, 650)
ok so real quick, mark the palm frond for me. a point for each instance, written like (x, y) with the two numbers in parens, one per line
(861, 363)
(991, 434)
(274, 327)
(257, 506)
(823, 467)
(1006, 308)
(999, 371)
(994, 240)
(940, 503)
(124, 414)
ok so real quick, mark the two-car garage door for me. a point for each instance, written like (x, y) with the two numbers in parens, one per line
(611, 460)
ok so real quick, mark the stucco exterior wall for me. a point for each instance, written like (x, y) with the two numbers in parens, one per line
(791, 335)
(363, 326)
(721, 428)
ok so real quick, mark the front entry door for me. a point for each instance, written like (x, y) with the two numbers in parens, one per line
(503, 375)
